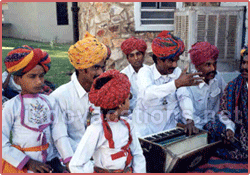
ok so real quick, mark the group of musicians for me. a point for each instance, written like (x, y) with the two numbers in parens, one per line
(106, 111)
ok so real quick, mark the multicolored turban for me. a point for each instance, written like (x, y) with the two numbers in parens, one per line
(167, 46)
(202, 52)
(87, 52)
(129, 45)
(111, 94)
(23, 59)
(244, 51)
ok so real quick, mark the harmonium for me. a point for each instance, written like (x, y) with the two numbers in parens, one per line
(173, 151)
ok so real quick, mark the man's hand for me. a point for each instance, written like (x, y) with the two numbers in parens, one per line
(188, 79)
(190, 128)
(38, 167)
(229, 136)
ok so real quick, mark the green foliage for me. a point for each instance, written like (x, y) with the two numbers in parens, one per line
(60, 65)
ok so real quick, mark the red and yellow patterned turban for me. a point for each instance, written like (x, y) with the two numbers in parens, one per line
(87, 52)
(202, 52)
(167, 46)
(129, 45)
(244, 51)
(23, 59)
(111, 94)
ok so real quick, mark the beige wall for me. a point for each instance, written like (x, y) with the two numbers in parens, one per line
(37, 21)
(239, 4)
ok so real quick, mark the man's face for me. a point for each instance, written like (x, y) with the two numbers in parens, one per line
(208, 69)
(168, 66)
(136, 59)
(244, 67)
(93, 72)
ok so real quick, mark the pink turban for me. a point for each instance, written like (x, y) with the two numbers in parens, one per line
(202, 52)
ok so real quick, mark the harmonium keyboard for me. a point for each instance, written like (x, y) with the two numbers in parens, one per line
(174, 151)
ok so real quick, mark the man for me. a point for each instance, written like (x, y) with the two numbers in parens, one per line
(88, 58)
(206, 96)
(134, 49)
(162, 98)
(234, 108)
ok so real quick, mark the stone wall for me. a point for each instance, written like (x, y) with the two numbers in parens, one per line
(113, 22)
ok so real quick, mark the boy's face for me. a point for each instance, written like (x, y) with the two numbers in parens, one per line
(31, 82)
(125, 106)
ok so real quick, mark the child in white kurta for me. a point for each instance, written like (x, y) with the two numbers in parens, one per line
(110, 141)
(31, 122)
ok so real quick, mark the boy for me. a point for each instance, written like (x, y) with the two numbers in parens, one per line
(114, 147)
(32, 118)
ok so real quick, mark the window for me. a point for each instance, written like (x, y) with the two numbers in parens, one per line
(62, 13)
(155, 16)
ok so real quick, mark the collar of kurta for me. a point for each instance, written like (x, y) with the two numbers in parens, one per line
(131, 69)
(157, 74)
(201, 85)
(79, 89)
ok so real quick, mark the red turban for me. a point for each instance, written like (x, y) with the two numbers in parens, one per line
(23, 59)
(111, 94)
(129, 45)
(202, 52)
(167, 46)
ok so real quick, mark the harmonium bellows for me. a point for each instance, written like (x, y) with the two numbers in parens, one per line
(173, 151)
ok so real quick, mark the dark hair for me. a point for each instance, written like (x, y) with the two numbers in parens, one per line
(77, 72)
(143, 53)
(155, 58)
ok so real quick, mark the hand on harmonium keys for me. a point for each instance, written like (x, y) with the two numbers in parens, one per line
(190, 128)
(188, 79)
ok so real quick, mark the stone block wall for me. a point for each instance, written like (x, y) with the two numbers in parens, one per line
(113, 22)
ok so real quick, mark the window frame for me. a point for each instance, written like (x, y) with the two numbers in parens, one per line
(152, 27)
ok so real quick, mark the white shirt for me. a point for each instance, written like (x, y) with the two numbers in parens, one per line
(12, 83)
(206, 100)
(132, 75)
(160, 105)
(37, 113)
(75, 104)
(95, 144)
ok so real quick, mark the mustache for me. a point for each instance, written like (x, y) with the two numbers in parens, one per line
(172, 68)
(212, 72)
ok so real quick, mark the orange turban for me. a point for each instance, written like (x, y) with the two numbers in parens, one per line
(87, 52)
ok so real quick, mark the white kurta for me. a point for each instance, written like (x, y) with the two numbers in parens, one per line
(95, 144)
(132, 75)
(206, 100)
(75, 104)
(160, 105)
(37, 113)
